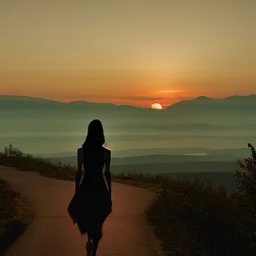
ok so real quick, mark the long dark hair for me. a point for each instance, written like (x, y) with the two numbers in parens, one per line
(95, 136)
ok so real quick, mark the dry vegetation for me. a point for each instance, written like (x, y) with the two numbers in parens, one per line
(15, 215)
(191, 218)
(8, 206)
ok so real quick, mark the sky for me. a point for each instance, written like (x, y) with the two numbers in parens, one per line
(127, 52)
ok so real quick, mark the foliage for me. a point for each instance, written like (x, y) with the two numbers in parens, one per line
(15, 215)
(191, 218)
(8, 208)
(246, 176)
(27, 162)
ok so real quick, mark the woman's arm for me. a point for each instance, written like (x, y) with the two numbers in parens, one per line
(107, 170)
(79, 168)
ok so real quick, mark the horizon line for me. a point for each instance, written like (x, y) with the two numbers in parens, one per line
(127, 105)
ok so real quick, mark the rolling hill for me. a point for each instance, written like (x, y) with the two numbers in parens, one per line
(42, 126)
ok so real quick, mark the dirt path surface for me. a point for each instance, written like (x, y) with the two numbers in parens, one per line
(52, 232)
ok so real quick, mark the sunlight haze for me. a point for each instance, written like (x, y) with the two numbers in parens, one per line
(127, 52)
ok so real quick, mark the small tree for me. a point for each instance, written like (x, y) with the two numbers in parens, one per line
(246, 175)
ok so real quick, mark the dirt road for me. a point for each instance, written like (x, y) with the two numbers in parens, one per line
(52, 233)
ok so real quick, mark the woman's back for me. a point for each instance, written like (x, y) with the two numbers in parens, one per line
(93, 161)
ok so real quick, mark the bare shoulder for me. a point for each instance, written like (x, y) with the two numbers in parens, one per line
(107, 151)
(80, 152)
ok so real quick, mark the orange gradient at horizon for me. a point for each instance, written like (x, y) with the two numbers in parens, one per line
(128, 53)
(130, 89)
(104, 94)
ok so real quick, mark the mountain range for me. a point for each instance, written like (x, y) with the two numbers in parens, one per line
(46, 126)
(10, 102)
(192, 110)
(201, 138)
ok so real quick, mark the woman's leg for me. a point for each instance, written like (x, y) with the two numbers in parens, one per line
(89, 248)
(95, 247)
(89, 244)
(96, 236)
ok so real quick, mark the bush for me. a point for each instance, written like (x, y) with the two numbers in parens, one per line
(192, 218)
(8, 207)
(27, 162)
(246, 175)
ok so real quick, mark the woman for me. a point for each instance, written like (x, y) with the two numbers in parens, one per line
(92, 202)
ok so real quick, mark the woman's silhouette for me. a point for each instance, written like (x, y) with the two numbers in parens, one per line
(92, 203)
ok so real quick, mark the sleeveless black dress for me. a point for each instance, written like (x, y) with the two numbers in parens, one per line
(91, 204)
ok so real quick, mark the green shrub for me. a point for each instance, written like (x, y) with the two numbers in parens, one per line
(195, 219)
(27, 162)
(246, 175)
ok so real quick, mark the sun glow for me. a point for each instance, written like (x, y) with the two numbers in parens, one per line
(156, 106)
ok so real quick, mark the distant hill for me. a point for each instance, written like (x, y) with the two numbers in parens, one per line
(234, 152)
(189, 167)
(203, 112)
(8, 102)
(152, 159)
(138, 152)
(162, 152)
(205, 105)
(20, 114)
(194, 160)
(39, 125)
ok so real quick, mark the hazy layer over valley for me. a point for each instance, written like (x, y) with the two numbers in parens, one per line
(43, 127)
(200, 138)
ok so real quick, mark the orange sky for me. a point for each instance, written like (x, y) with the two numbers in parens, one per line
(133, 53)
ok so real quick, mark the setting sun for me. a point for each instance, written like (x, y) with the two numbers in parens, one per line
(156, 106)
